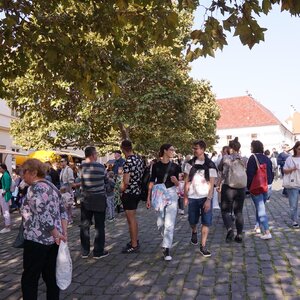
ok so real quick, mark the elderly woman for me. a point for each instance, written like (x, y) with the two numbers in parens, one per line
(5, 196)
(45, 225)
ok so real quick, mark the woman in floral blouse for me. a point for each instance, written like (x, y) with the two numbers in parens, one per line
(45, 225)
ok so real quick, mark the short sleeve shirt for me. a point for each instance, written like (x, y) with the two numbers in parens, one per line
(134, 166)
(199, 187)
(159, 170)
(292, 162)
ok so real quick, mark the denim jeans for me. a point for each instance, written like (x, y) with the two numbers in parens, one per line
(261, 215)
(293, 200)
(166, 219)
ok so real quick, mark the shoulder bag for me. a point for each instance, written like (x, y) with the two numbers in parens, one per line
(291, 180)
(259, 184)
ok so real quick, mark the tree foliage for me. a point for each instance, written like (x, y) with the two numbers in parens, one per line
(158, 102)
(82, 42)
(82, 72)
(221, 17)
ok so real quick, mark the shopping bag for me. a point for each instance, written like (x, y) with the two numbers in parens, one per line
(63, 266)
(215, 200)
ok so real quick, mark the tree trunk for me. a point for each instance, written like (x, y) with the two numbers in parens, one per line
(124, 131)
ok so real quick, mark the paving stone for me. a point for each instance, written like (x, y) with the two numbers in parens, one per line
(255, 269)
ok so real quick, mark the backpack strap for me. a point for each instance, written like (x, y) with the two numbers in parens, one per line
(167, 172)
(257, 161)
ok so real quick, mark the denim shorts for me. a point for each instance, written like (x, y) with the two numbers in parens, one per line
(196, 209)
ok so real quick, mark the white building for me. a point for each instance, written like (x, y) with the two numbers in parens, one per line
(247, 119)
(6, 141)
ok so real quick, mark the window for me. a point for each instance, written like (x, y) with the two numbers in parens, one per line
(253, 136)
(229, 137)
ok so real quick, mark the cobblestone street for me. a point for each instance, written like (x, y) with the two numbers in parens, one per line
(255, 269)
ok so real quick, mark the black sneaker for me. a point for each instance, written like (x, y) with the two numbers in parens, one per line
(238, 238)
(204, 251)
(194, 239)
(129, 249)
(129, 244)
(229, 236)
(167, 255)
(105, 253)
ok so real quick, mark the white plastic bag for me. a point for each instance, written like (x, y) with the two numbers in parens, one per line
(215, 202)
(63, 266)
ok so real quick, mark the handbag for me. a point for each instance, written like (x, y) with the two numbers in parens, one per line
(19, 241)
(259, 184)
(291, 180)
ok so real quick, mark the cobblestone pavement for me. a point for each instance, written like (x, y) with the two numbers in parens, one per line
(255, 269)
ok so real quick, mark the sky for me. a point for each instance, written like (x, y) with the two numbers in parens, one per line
(270, 72)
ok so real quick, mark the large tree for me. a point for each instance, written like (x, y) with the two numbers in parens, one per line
(68, 66)
(158, 102)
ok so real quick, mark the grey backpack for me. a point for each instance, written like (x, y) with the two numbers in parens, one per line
(237, 177)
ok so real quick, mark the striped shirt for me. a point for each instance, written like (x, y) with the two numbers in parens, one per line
(93, 178)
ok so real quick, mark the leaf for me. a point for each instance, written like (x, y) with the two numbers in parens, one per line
(122, 4)
(266, 6)
(172, 19)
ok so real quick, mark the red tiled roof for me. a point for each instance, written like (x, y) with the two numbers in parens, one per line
(244, 111)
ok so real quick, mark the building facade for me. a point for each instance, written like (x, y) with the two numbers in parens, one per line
(6, 141)
(247, 119)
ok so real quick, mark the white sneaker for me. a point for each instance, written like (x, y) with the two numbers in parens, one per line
(266, 236)
(5, 230)
(257, 230)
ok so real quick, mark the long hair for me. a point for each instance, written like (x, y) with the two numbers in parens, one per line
(163, 148)
(297, 144)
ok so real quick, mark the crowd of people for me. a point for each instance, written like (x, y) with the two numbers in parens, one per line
(46, 198)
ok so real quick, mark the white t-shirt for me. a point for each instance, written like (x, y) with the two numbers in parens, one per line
(291, 162)
(199, 187)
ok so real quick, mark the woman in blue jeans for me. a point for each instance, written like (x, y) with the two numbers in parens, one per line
(257, 149)
(165, 171)
(292, 164)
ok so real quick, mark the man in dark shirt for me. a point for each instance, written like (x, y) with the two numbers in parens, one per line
(94, 204)
(53, 174)
(131, 189)
(281, 161)
(119, 161)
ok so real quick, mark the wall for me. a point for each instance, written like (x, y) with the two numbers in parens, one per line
(271, 136)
